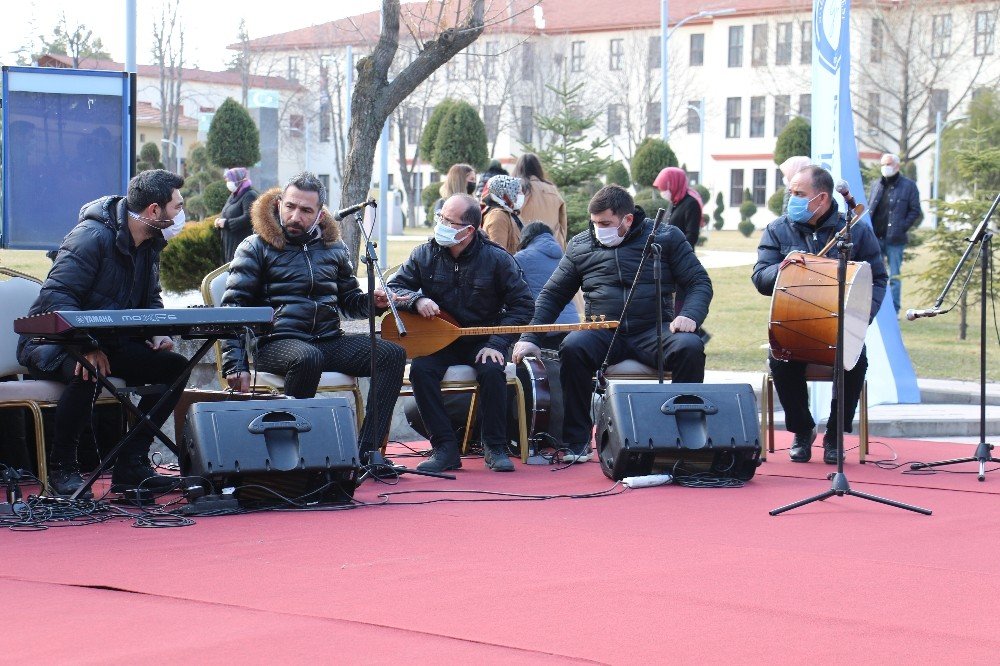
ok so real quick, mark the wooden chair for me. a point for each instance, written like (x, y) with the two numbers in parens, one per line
(17, 294)
(213, 286)
(814, 373)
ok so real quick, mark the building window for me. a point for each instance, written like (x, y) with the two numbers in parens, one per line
(576, 56)
(491, 118)
(614, 119)
(653, 54)
(697, 58)
(471, 63)
(652, 118)
(694, 177)
(874, 113)
(878, 39)
(779, 179)
(938, 104)
(733, 117)
(756, 117)
(293, 69)
(758, 45)
(297, 124)
(693, 119)
(783, 51)
(941, 35)
(435, 177)
(527, 61)
(451, 70)
(325, 118)
(806, 43)
(616, 52)
(735, 187)
(489, 59)
(806, 106)
(986, 25)
(325, 179)
(142, 138)
(759, 186)
(782, 112)
(412, 123)
(526, 128)
(735, 46)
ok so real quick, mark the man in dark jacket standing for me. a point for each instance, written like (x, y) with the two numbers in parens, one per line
(480, 284)
(296, 263)
(895, 207)
(812, 219)
(603, 261)
(109, 261)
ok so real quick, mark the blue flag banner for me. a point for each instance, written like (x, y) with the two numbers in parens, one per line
(891, 378)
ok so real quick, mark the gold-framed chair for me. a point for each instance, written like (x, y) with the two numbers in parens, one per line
(814, 373)
(17, 294)
(213, 286)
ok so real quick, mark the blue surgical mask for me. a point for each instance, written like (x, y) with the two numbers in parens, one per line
(798, 208)
(445, 234)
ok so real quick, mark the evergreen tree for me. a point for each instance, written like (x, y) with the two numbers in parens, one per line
(795, 139)
(233, 138)
(970, 148)
(720, 208)
(428, 138)
(568, 159)
(200, 174)
(651, 157)
(149, 157)
(461, 139)
(618, 175)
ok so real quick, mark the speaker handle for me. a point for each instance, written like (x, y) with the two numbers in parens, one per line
(259, 426)
(671, 406)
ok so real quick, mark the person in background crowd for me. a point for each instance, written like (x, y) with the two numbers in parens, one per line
(234, 220)
(494, 169)
(685, 211)
(542, 201)
(789, 168)
(502, 199)
(895, 209)
(538, 255)
(461, 179)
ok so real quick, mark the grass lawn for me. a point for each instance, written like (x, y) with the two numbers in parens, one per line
(738, 316)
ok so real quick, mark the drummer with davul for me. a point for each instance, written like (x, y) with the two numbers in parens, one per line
(812, 219)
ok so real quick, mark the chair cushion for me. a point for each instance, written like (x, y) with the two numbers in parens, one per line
(327, 379)
(465, 373)
(630, 367)
(38, 390)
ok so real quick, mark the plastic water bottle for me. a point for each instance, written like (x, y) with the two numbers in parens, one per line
(647, 481)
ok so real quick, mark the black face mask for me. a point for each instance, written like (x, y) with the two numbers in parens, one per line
(470, 188)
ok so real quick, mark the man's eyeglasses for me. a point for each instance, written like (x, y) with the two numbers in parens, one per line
(441, 219)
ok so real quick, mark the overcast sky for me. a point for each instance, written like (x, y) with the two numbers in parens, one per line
(209, 25)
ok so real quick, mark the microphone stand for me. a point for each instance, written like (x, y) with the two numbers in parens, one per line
(376, 465)
(840, 485)
(983, 238)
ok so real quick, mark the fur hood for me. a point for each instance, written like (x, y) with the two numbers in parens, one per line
(264, 217)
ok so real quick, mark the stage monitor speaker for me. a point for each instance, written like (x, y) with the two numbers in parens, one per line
(679, 429)
(269, 450)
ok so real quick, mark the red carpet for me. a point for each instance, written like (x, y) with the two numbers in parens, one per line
(667, 574)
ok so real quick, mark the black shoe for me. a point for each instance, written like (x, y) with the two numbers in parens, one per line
(131, 472)
(801, 450)
(64, 480)
(497, 459)
(829, 452)
(378, 466)
(442, 459)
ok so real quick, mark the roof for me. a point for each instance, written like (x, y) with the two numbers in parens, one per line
(518, 16)
(188, 74)
(147, 114)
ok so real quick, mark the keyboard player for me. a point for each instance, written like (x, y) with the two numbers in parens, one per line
(110, 261)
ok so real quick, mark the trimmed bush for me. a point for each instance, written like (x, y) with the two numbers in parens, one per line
(428, 196)
(214, 197)
(618, 175)
(776, 201)
(149, 157)
(795, 139)
(461, 139)
(720, 208)
(651, 157)
(428, 139)
(190, 255)
(233, 138)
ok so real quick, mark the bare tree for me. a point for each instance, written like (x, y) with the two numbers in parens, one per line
(76, 41)
(168, 54)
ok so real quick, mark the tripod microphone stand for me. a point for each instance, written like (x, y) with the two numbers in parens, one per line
(840, 485)
(982, 237)
(376, 465)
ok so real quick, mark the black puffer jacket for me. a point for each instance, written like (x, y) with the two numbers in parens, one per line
(309, 285)
(784, 236)
(483, 286)
(93, 270)
(606, 275)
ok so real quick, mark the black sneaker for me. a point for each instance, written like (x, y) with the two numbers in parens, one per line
(801, 450)
(64, 480)
(497, 459)
(378, 466)
(442, 459)
(133, 472)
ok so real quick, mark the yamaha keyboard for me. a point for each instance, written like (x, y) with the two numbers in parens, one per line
(192, 322)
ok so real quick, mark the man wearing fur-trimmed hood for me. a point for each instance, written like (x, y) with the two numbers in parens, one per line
(296, 263)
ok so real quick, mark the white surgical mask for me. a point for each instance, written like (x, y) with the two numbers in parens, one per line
(177, 226)
(445, 234)
(608, 236)
(231, 186)
(666, 194)
(889, 171)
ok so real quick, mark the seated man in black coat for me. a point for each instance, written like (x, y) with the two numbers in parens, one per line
(603, 261)
(109, 261)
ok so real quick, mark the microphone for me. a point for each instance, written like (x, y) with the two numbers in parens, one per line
(920, 314)
(845, 191)
(350, 210)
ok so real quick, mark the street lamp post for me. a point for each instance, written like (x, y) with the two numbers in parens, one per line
(938, 128)
(177, 154)
(664, 55)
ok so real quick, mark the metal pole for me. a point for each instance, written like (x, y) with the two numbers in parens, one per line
(701, 118)
(664, 97)
(383, 194)
(937, 168)
(130, 36)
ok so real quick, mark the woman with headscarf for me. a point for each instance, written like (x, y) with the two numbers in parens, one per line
(234, 220)
(502, 199)
(541, 197)
(685, 212)
(789, 168)
(461, 179)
